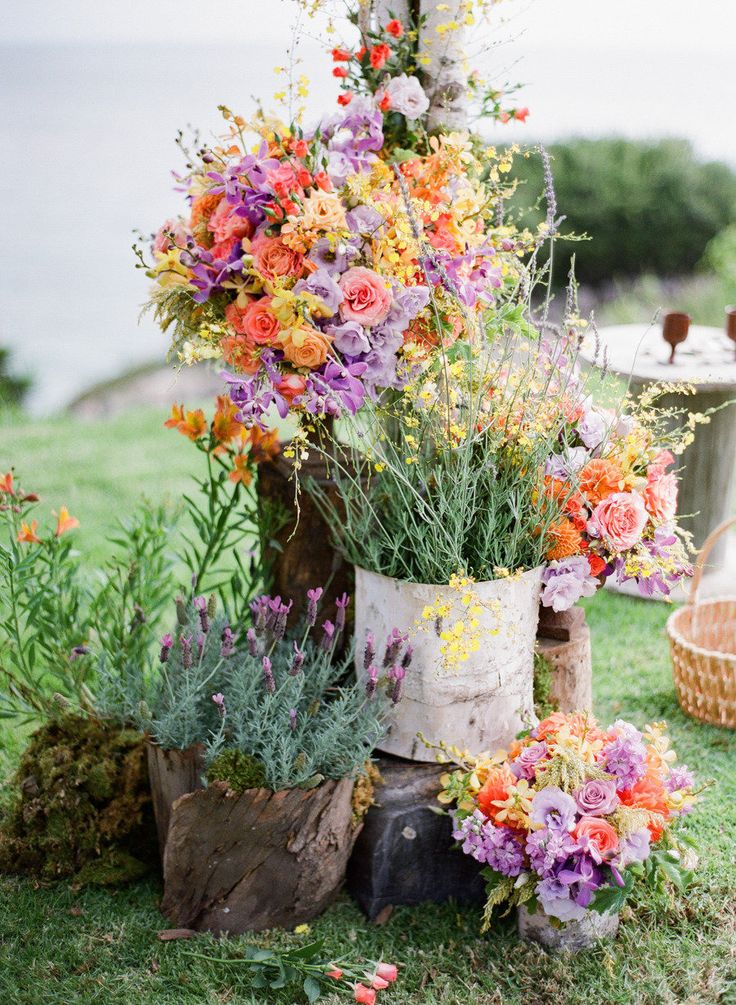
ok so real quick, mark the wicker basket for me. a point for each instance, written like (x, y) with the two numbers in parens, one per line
(703, 647)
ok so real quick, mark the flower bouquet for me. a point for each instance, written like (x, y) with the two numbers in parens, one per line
(259, 758)
(569, 819)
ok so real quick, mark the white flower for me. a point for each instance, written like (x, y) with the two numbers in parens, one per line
(405, 95)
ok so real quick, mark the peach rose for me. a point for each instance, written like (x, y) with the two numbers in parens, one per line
(367, 298)
(599, 832)
(660, 463)
(323, 211)
(272, 258)
(238, 352)
(255, 321)
(305, 346)
(619, 520)
(600, 478)
(660, 497)
(291, 386)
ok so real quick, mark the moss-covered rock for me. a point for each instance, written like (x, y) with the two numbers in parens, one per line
(81, 804)
(238, 770)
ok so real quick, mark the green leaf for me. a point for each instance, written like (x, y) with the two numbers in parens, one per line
(312, 988)
(308, 952)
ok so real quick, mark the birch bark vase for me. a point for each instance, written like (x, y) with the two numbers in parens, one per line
(483, 703)
(570, 937)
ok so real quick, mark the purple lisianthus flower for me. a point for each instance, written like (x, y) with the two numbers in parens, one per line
(322, 285)
(350, 338)
(494, 846)
(592, 428)
(380, 368)
(625, 756)
(548, 849)
(364, 220)
(565, 581)
(332, 255)
(408, 301)
(597, 797)
(525, 765)
(563, 466)
(635, 847)
(553, 808)
(554, 896)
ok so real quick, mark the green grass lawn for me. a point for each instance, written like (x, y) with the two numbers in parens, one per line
(63, 946)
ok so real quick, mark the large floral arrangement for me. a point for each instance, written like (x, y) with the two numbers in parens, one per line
(297, 263)
(572, 815)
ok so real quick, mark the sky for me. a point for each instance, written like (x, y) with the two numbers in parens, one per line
(646, 25)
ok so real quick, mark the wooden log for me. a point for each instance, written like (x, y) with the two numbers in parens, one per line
(261, 859)
(172, 774)
(301, 555)
(405, 853)
(572, 670)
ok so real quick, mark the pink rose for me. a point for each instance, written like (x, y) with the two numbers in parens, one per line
(367, 299)
(619, 520)
(273, 258)
(225, 224)
(173, 232)
(660, 464)
(660, 497)
(291, 386)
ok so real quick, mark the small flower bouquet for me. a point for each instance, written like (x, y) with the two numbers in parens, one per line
(260, 760)
(571, 817)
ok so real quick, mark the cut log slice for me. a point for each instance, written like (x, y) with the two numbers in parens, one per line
(261, 859)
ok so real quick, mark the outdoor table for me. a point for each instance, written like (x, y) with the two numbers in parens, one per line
(707, 361)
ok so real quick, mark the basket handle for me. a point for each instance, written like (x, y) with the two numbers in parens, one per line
(705, 555)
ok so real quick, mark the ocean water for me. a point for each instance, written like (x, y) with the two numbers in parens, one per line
(87, 136)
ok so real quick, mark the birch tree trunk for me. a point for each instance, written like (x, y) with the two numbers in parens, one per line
(445, 75)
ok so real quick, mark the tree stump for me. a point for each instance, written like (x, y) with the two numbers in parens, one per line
(173, 773)
(405, 853)
(237, 863)
(302, 555)
(563, 639)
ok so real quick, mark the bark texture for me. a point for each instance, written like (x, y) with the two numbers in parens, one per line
(237, 863)
(445, 75)
(172, 773)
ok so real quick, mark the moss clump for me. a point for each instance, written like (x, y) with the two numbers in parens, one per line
(80, 804)
(364, 791)
(544, 702)
(238, 770)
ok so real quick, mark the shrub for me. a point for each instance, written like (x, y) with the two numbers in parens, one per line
(647, 206)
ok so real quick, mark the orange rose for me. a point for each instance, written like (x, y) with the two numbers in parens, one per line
(496, 789)
(649, 794)
(599, 832)
(272, 258)
(255, 321)
(563, 539)
(323, 211)
(305, 346)
(600, 478)
(238, 352)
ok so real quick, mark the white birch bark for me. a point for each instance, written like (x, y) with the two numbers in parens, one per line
(445, 75)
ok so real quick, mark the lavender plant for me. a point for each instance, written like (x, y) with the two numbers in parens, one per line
(275, 704)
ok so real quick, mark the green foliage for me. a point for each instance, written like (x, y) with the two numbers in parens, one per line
(544, 701)
(240, 771)
(290, 703)
(13, 389)
(720, 257)
(80, 804)
(648, 206)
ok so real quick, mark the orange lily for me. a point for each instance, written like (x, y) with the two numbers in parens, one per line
(242, 470)
(27, 533)
(225, 426)
(65, 522)
(263, 446)
(177, 416)
(193, 425)
(6, 483)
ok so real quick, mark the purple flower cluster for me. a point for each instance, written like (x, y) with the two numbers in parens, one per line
(566, 581)
(494, 846)
(625, 757)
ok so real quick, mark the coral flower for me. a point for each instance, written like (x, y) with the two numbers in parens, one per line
(263, 446)
(495, 790)
(599, 833)
(395, 28)
(600, 478)
(225, 426)
(345, 98)
(27, 533)
(239, 353)
(335, 973)
(564, 540)
(177, 416)
(6, 483)
(65, 522)
(242, 470)
(388, 971)
(366, 996)
(340, 55)
(379, 55)
(650, 794)
(194, 425)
